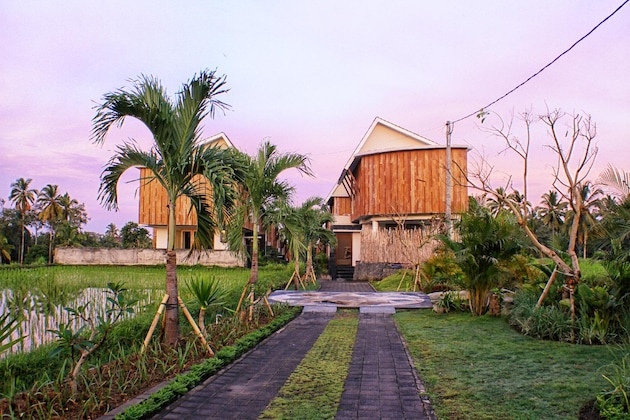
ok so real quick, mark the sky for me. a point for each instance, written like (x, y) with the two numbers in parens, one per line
(310, 76)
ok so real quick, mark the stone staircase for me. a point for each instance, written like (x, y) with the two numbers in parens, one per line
(345, 272)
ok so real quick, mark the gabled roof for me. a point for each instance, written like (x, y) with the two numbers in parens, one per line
(219, 139)
(374, 141)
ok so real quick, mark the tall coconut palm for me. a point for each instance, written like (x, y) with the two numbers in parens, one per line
(552, 211)
(497, 203)
(176, 161)
(23, 198)
(260, 187)
(51, 212)
(590, 199)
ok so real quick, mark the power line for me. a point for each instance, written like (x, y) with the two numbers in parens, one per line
(545, 67)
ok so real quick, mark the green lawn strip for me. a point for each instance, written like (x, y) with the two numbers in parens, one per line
(313, 391)
(187, 381)
(480, 368)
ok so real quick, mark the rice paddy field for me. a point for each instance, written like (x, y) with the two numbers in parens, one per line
(39, 296)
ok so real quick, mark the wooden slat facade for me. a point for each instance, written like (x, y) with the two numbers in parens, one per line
(408, 182)
(154, 203)
(342, 206)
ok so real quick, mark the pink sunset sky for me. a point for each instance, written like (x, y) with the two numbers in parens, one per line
(309, 75)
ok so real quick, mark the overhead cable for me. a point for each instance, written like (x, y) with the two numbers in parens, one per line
(545, 67)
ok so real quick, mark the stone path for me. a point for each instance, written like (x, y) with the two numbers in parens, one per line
(381, 382)
(245, 388)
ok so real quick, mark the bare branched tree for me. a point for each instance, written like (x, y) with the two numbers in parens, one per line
(573, 146)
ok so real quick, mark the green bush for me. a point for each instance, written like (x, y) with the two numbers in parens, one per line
(614, 403)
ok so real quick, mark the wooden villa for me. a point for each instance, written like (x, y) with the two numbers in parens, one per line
(389, 192)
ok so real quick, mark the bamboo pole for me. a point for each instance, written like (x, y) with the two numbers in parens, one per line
(194, 326)
(156, 318)
(268, 305)
(240, 301)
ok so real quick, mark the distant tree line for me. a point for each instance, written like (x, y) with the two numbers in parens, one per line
(33, 222)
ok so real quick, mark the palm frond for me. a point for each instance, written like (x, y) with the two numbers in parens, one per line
(127, 156)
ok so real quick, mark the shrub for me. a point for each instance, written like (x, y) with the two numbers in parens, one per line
(614, 403)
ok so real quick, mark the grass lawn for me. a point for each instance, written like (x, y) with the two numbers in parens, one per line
(480, 368)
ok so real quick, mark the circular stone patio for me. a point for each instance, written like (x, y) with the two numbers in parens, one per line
(380, 302)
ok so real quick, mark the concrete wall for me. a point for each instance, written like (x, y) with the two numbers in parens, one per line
(113, 256)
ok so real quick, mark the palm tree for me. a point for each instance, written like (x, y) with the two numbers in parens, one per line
(23, 197)
(497, 203)
(552, 211)
(618, 180)
(315, 215)
(260, 187)
(485, 244)
(590, 200)
(51, 212)
(288, 222)
(177, 161)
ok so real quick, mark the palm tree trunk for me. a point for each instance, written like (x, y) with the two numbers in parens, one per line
(296, 258)
(171, 329)
(50, 243)
(202, 324)
(253, 274)
(22, 241)
(309, 262)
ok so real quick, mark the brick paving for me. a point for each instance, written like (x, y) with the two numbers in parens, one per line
(345, 286)
(381, 382)
(245, 388)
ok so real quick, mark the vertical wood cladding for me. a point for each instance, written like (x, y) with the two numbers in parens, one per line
(154, 203)
(409, 181)
(342, 205)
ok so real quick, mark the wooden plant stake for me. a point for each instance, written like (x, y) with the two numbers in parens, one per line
(310, 275)
(402, 280)
(267, 303)
(240, 301)
(293, 276)
(194, 326)
(160, 309)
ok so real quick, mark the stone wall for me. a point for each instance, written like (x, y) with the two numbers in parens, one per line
(114, 256)
(364, 271)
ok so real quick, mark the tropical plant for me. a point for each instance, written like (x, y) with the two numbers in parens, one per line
(497, 202)
(207, 292)
(177, 161)
(51, 212)
(72, 212)
(586, 220)
(287, 221)
(618, 181)
(259, 190)
(315, 216)
(118, 305)
(8, 324)
(614, 403)
(552, 211)
(485, 244)
(5, 249)
(23, 197)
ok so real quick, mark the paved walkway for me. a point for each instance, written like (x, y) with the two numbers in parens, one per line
(245, 388)
(381, 382)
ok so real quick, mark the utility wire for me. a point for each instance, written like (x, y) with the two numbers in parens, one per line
(545, 67)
